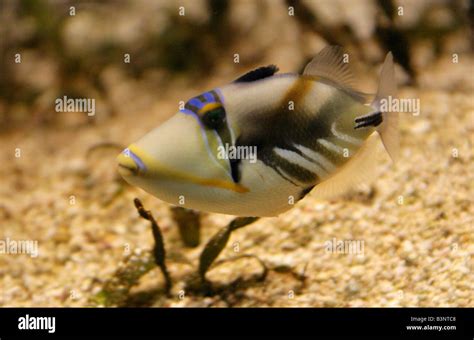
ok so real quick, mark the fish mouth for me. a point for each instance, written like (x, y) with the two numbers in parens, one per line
(127, 171)
(126, 165)
(130, 163)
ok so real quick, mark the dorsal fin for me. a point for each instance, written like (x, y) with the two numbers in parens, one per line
(259, 73)
(329, 65)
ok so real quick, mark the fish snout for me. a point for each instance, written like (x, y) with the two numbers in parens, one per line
(129, 164)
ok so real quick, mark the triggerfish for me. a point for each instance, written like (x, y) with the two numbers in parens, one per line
(256, 146)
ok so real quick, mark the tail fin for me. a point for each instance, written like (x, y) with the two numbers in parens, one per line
(388, 130)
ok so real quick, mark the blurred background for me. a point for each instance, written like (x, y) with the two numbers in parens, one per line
(77, 48)
(137, 59)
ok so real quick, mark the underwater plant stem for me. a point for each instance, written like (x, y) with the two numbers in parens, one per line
(159, 249)
(215, 245)
(189, 225)
(104, 145)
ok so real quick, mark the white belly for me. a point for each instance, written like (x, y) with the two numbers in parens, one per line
(268, 195)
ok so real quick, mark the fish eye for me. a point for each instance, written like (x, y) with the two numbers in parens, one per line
(214, 118)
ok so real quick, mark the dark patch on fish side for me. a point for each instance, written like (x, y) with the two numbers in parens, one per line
(257, 74)
(283, 129)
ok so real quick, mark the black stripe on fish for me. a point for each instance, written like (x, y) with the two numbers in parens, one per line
(372, 119)
(305, 192)
(257, 74)
(294, 170)
(216, 96)
(300, 153)
(223, 131)
(191, 107)
(288, 170)
(202, 98)
(235, 170)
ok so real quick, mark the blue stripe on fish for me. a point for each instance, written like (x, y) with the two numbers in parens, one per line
(196, 102)
(137, 161)
(209, 98)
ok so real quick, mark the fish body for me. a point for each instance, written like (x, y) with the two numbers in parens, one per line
(309, 132)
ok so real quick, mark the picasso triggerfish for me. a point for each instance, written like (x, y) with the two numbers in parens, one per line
(257, 145)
